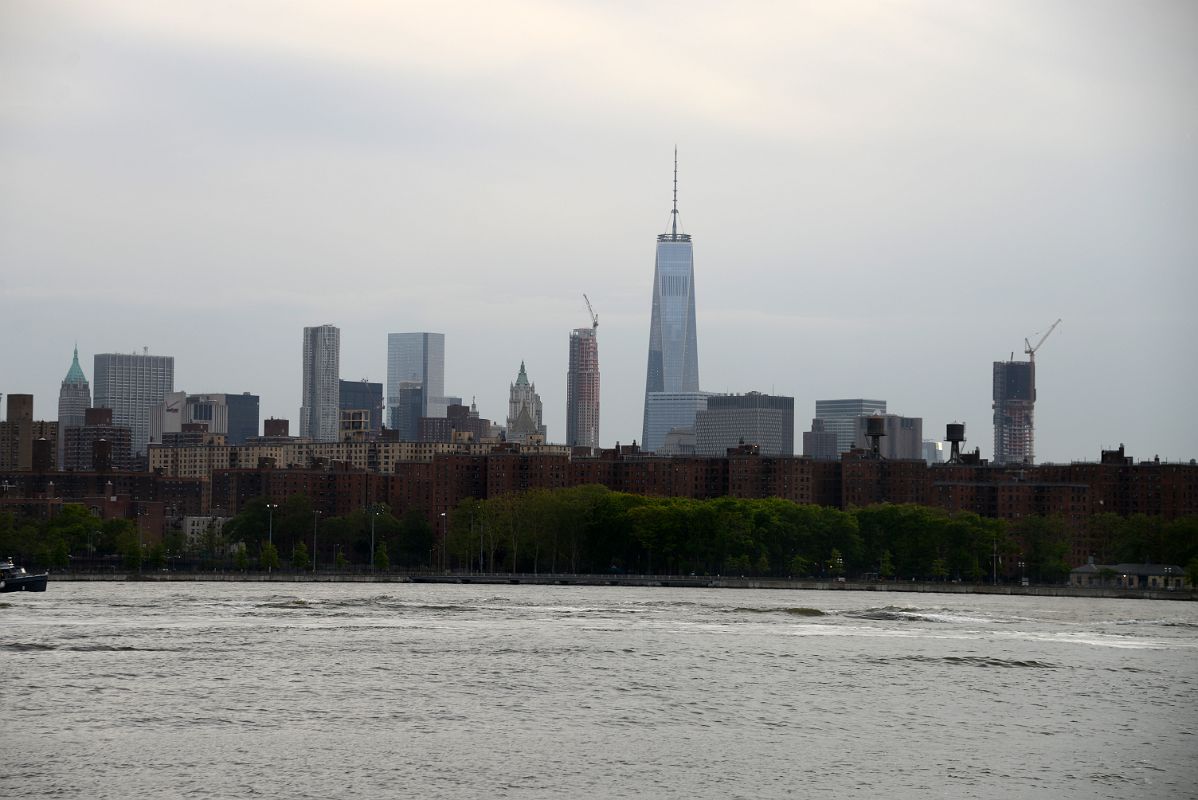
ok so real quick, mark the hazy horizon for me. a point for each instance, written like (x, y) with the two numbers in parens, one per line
(884, 200)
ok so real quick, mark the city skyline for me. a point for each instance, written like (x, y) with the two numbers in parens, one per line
(889, 199)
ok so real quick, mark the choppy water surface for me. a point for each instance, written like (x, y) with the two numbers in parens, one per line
(372, 690)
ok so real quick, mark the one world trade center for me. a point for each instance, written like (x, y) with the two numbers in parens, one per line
(672, 396)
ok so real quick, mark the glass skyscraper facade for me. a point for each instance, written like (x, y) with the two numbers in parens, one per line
(673, 342)
(668, 411)
(415, 358)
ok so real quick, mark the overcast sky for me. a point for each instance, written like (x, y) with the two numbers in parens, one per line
(885, 198)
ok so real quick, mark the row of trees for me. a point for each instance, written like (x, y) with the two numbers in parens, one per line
(72, 533)
(590, 529)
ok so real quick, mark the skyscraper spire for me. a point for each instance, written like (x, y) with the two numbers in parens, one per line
(674, 213)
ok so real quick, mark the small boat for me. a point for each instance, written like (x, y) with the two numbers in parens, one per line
(16, 579)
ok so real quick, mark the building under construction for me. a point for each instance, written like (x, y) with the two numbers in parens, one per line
(582, 385)
(1014, 406)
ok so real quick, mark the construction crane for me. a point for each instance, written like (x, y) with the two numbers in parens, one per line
(591, 311)
(1031, 351)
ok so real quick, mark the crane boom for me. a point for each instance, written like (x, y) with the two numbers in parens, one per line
(591, 311)
(1030, 350)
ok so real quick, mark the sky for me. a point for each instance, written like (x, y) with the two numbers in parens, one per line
(885, 198)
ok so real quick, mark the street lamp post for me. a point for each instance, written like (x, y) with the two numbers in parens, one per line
(270, 530)
(374, 514)
(444, 536)
(315, 517)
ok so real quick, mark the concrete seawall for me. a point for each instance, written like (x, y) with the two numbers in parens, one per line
(673, 581)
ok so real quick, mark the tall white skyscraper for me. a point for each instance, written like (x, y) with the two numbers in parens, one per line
(416, 358)
(131, 385)
(321, 412)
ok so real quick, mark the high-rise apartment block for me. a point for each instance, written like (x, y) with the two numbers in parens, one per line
(16, 434)
(673, 366)
(74, 398)
(320, 415)
(131, 384)
(764, 420)
(98, 445)
(582, 389)
(1014, 411)
(417, 357)
(839, 417)
(524, 423)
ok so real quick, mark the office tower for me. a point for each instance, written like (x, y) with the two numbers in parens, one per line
(320, 415)
(74, 398)
(582, 388)
(524, 411)
(840, 418)
(244, 415)
(673, 343)
(1014, 407)
(361, 408)
(131, 385)
(819, 443)
(233, 416)
(933, 451)
(408, 411)
(730, 420)
(670, 412)
(902, 436)
(416, 357)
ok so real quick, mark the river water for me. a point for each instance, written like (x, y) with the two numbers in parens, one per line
(209, 690)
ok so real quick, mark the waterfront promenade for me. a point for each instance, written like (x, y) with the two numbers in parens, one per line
(671, 581)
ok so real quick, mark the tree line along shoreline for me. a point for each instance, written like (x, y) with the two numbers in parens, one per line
(590, 530)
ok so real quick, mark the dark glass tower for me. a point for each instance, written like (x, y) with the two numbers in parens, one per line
(673, 342)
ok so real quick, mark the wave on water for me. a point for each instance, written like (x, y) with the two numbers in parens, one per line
(37, 647)
(1164, 623)
(895, 614)
(969, 661)
(901, 614)
(794, 611)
